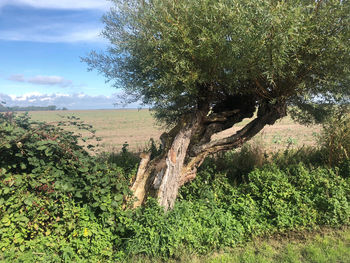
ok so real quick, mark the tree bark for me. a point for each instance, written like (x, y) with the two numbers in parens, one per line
(186, 146)
(162, 177)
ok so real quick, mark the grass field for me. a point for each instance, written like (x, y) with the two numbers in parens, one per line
(136, 127)
(115, 127)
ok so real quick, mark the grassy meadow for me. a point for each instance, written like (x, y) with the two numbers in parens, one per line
(137, 127)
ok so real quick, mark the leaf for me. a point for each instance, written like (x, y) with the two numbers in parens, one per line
(118, 197)
(48, 152)
(6, 190)
(78, 194)
(23, 166)
(83, 169)
(41, 148)
(6, 221)
(28, 201)
(7, 145)
(18, 238)
(23, 219)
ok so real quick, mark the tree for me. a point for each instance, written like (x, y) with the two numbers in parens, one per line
(205, 65)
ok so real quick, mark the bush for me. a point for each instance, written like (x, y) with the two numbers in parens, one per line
(335, 138)
(307, 155)
(125, 159)
(239, 162)
(212, 214)
(49, 186)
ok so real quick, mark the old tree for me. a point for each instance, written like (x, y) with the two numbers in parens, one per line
(205, 65)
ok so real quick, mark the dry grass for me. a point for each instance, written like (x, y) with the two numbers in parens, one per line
(136, 127)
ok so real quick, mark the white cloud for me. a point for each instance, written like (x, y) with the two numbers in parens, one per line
(25, 97)
(70, 101)
(59, 4)
(73, 34)
(49, 80)
(42, 80)
(63, 21)
(45, 99)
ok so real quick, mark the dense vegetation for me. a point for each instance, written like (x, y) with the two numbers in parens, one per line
(58, 203)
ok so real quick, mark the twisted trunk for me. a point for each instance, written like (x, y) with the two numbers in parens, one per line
(186, 146)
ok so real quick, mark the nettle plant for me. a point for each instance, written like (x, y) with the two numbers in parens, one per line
(205, 65)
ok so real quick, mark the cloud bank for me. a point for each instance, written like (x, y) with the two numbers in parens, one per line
(42, 80)
(70, 101)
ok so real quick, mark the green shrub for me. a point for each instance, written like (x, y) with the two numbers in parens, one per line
(199, 227)
(49, 186)
(335, 138)
(125, 159)
(239, 162)
(345, 169)
(307, 155)
(213, 214)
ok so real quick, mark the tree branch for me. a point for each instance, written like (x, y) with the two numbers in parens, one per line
(267, 114)
(220, 117)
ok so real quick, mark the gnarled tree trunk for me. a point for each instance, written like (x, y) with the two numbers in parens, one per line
(186, 145)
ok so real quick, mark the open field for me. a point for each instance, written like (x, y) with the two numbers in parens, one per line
(115, 127)
(136, 127)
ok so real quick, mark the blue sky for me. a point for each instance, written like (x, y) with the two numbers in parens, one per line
(41, 42)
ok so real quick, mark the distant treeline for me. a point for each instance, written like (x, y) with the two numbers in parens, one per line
(30, 108)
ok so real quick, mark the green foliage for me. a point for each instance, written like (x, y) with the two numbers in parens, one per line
(309, 156)
(154, 149)
(236, 163)
(177, 55)
(62, 204)
(53, 193)
(335, 138)
(212, 214)
(125, 159)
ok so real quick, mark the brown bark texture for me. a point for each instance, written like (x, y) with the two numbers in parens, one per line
(187, 145)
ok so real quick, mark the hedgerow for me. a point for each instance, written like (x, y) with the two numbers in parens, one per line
(59, 203)
(53, 193)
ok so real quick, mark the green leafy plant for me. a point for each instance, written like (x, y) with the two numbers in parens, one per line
(335, 137)
(43, 169)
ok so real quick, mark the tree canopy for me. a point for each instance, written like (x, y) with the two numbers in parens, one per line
(180, 55)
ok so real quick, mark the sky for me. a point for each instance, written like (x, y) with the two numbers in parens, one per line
(41, 45)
